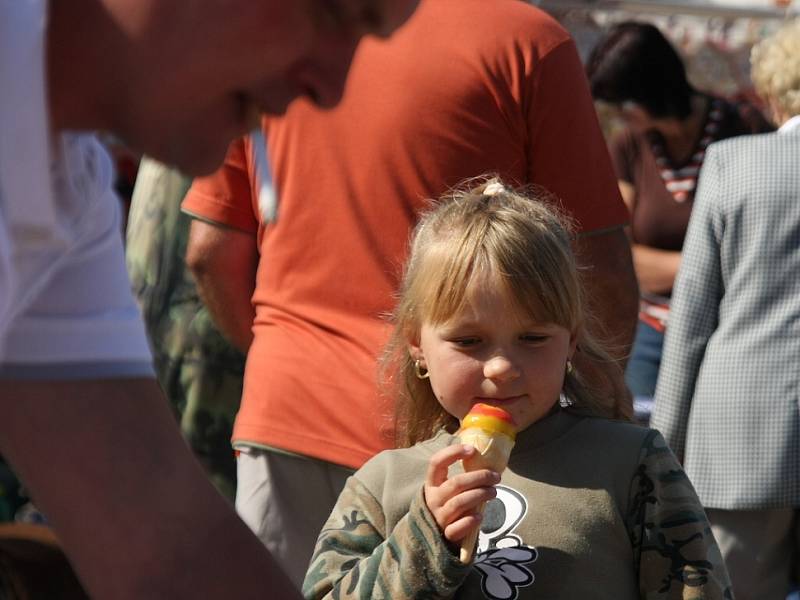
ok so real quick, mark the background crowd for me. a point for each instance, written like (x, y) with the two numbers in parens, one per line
(267, 327)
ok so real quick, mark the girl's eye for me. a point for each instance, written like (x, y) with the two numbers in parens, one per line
(466, 342)
(532, 338)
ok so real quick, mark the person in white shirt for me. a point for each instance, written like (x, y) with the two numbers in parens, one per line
(83, 421)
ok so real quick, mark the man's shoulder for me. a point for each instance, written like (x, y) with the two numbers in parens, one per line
(503, 11)
(518, 21)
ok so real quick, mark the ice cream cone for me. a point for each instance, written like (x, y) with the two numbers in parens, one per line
(491, 430)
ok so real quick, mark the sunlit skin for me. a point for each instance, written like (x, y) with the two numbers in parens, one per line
(492, 354)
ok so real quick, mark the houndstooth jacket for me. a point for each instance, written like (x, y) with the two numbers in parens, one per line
(728, 390)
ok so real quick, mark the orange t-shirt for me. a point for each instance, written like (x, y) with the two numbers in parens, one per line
(466, 87)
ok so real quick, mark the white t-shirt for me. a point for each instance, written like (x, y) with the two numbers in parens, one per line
(66, 308)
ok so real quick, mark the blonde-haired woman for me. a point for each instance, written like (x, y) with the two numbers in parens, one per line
(728, 395)
(775, 70)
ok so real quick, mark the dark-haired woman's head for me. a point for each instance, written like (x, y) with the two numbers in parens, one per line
(634, 63)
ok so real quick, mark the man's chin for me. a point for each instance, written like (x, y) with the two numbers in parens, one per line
(197, 161)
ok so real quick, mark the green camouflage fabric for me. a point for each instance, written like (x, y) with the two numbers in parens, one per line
(199, 371)
(566, 537)
(356, 558)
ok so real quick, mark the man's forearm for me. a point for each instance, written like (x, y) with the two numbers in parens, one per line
(611, 289)
(228, 302)
(224, 263)
(105, 462)
(613, 299)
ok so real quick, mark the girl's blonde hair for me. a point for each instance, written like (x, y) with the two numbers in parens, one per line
(775, 67)
(523, 244)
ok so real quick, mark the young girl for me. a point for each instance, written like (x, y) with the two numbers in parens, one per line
(589, 507)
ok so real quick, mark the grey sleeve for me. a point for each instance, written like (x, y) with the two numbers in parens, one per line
(694, 308)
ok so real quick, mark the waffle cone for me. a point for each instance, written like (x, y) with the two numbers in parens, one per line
(493, 438)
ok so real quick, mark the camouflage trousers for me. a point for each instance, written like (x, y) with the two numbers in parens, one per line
(199, 371)
(201, 375)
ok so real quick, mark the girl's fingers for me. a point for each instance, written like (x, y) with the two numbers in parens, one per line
(441, 461)
(456, 501)
(475, 479)
(465, 503)
(462, 527)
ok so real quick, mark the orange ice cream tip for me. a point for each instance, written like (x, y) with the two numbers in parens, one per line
(491, 419)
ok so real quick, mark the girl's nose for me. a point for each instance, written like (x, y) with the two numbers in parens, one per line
(500, 368)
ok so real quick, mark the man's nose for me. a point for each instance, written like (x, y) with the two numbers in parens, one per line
(501, 367)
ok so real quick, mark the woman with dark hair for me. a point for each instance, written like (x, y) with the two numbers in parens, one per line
(658, 156)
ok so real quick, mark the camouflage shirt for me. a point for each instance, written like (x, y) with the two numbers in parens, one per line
(588, 508)
(199, 370)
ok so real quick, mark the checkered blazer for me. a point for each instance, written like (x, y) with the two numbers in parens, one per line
(727, 394)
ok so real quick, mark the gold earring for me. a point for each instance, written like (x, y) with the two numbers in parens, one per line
(418, 370)
(570, 368)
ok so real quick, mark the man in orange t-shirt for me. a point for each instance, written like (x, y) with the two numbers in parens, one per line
(466, 87)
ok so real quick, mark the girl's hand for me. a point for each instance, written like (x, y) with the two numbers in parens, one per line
(457, 503)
